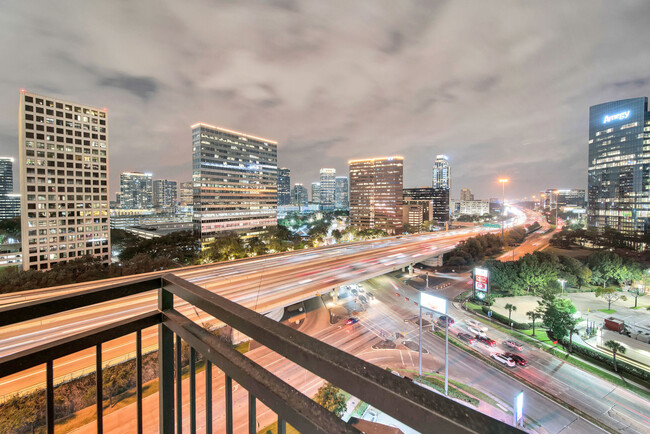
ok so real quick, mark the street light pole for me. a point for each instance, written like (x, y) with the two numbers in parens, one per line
(562, 282)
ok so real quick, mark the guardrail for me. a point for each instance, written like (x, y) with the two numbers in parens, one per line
(415, 406)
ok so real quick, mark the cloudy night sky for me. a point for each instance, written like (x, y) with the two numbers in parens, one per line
(502, 87)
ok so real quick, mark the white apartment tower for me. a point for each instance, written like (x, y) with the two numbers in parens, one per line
(63, 149)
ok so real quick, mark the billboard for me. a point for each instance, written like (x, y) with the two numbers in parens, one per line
(481, 283)
(519, 409)
(432, 302)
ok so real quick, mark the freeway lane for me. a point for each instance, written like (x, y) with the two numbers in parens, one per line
(263, 284)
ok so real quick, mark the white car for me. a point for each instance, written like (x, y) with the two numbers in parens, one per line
(503, 359)
(475, 331)
(476, 324)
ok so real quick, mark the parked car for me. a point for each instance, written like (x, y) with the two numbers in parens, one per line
(354, 292)
(514, 345)
(466, 337)
(370, 295)
(485, 340)
(503, 359)
(517, 359)
(476, 324)
(475, 331)
(352, 320)
(445, 317)
(363, 299)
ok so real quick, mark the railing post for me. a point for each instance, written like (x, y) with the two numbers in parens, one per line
(99, 390)
(208, 396)
(179, 385)
(49, 396)
(192, 391)
(229, 421)
(138, 378)
(252, 413)
(165, 366)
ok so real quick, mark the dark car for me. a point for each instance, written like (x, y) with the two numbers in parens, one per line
(445, 317)
(514, 345)
(466, 337)
(352, 320)
(370, 295)
(363, 299)
(485, 340)
(517, 359)
(354, 292)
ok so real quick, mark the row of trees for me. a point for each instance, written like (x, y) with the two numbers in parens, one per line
(538, 272)
(571, 236)
(477, 248)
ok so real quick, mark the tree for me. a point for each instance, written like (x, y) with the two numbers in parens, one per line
(604, 267)
(572, 330)
(611, 294)
(510, 307)
(557, 315)
(330, 397)
(533, 315)
(616, 348)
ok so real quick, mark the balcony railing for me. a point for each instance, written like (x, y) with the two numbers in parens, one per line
(400, 398)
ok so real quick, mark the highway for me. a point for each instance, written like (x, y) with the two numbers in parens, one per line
(538, 240)
(263, 284)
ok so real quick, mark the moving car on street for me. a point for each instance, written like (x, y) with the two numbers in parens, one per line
(476, 324)
(517, 359)
(363, 299)
(448, 318)
(466, 337)
(503, 359)
(352, 320)
(485, 340)
(476, 331)
(514, 345)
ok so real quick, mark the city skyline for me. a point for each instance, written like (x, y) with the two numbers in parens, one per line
(543, 131)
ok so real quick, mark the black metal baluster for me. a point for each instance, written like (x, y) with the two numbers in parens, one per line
(208, 397)
(100, 391)
(165, 368)
(228, 405)
(282, 425)
(49, 396)
(252, 414)
(192, 391)
(138, 378)
(179, 386)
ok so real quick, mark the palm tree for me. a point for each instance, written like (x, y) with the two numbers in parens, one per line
(510, 308)
(533, 315)
(616, 347)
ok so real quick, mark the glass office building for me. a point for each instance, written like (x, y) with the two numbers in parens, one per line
(619, 166)
(284, 186)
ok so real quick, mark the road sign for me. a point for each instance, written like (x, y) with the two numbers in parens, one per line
(492, 225)
(481, 282)
(431, 302)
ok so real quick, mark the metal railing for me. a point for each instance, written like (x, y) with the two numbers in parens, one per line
(400, 398)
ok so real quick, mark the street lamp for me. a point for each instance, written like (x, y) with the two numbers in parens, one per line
(562, 282)
(503, 201)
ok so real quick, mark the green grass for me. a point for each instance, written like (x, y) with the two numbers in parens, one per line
(454, 392)
(360, 409)
(608, 311)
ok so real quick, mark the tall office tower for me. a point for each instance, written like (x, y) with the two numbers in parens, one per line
(63, 181)
(284, 186)
(235, 177)
(618, 169)
(434, 202)
(315, 193)
(9, 202)
(6, 175)
(441, 173)
(299, 195)
(466, 194)
(187, 194)
(165, 194)
(136, 190)
(327, 189)
(342, 196)
(376, 193)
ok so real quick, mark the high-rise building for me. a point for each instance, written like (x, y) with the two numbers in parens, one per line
(470, 207)
(6, 175)
(315, 193)
(466, 194)
(342, 195)
(63, 181)
(187, 194)
(284, 186)
(136, 190)
(441, 173)
(618, 169)
(9, 202)
(327, 188)
(376, 193)
(165, 194)
(235, 179)
(434, 202)
(299, 195)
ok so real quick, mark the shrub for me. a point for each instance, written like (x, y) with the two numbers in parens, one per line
(504, 320)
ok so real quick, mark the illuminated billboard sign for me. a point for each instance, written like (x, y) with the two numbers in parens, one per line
(519, 409)
(617, 117)
(432, 302)
(481, 282)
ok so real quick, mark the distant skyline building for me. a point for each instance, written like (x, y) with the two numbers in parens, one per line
(470, 207)
(466, 194)
(299, 195)
(315, 193)
(327, 188)
(165, 194)
(441, 173)
(618, 172)
(342, 193)
(284, 186)
(434, 202)
(63, 148)
(235, 177)
(376, 193)
(136, 190)
(9, 202)
(187, 194)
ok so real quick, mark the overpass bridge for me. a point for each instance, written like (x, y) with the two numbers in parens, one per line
(265, 284)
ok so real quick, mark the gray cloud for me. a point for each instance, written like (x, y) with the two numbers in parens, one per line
(502, 88)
